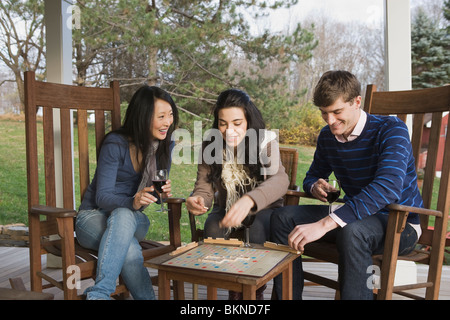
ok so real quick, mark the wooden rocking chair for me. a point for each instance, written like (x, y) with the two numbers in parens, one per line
(45, 219)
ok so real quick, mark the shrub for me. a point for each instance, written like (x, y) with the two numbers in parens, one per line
(303, 126)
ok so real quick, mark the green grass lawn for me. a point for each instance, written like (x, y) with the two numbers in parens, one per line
(13, 173)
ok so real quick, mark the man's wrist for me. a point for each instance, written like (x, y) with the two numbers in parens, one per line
(329, 224)
(312, 187)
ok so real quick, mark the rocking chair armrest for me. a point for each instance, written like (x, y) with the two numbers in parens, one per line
(299, 194)
(302, 194)
(52, 211)
(174, 214)
(424, 211)
(292, 197)
(391, 207)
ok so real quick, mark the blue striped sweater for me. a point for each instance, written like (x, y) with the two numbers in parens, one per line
(375, 169)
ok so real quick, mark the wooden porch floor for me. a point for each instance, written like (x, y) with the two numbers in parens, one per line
(14, 262)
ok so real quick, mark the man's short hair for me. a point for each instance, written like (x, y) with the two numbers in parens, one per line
(334, 85)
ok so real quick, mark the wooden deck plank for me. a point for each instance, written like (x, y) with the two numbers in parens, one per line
(14, 262)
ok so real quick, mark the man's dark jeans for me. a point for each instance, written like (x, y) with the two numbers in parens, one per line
(356, 243)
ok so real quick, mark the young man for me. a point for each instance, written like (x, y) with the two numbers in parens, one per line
(372, 158)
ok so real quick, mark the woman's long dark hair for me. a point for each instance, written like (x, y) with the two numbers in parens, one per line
(238, 98)
(137, 123)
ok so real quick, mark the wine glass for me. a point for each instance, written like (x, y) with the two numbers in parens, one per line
(159, 179)
(247, 222)
(333, 191)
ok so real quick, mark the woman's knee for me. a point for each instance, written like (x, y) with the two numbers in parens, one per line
(132, 221)
(89, 227)
(213, 229)
(212, 224)
(122, 215)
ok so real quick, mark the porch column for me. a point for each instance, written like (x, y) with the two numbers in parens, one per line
(59, 70)
(398, 47)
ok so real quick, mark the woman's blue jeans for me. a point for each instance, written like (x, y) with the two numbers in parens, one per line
(356, 243)
(116, 236)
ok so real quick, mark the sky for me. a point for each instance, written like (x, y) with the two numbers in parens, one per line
(368, 11)
(342, 10)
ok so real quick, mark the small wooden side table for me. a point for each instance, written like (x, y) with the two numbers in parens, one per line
(213, 280)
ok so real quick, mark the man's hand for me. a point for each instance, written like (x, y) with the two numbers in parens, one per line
(318, 190)
(306, 233)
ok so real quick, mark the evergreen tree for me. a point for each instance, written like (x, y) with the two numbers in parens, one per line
(430, 53)
(446, 10)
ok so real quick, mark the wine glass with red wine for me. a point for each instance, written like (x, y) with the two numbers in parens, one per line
(159, 179)
(333, 191)
(247, 222)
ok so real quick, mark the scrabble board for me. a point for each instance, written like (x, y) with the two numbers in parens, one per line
(229, 259)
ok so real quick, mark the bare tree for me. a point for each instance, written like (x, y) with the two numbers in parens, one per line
(351, 46)
(9, 99)
(21, 38)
